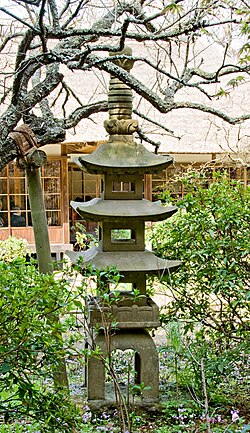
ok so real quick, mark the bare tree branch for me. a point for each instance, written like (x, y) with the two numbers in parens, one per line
(31, 2)
(19, 19)
(169, 131)
(9, 38)
(21, 54)
(75, 13)
(54, 13)
(85, 112)
(42, 27)
(139, 37)
(171, 72)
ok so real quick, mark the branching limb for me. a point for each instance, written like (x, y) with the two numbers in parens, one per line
(42, 27)
(25, 23)
(206, 109)
(64, 9)
(84, 112)
(47, 130)
(182, 81)
(80, 5)
(31, 2)
(138, 113)
(171, 35)
(44, 105)
(21, 54)
(42, 90)
(9, 151)
(98, 30)
(9, 38)
(144, 137)
(162, 105)
(54, 14)
(69, 89)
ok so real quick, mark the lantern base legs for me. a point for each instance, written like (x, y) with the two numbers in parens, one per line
(146, 364)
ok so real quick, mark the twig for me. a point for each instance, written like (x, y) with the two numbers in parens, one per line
(204, 386)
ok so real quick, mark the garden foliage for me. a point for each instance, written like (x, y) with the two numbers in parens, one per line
(12, 248)
(211, 235)
(208, 299)
(31, 346)
(206, 318)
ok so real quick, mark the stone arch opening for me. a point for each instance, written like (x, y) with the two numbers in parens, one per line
(142, 344)
(126, 366)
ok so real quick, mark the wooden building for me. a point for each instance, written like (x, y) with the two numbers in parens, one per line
(63, 181)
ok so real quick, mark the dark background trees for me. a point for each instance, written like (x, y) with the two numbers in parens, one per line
(44, 43)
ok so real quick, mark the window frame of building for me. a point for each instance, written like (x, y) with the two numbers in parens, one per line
(166, 179)
(14, 192)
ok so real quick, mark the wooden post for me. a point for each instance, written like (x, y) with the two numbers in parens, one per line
(32, 160)
(39, 221)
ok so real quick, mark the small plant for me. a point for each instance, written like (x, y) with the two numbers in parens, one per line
(84, 240)
(12, 248)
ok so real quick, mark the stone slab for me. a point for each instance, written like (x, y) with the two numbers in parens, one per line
(100, 210)
(123, 157)
(127, 261)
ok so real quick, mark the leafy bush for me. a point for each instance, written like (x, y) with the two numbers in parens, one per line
(34, 341)
(84, 240)
(209, 296)
(226, 370)
(211, 235)
(31, 346)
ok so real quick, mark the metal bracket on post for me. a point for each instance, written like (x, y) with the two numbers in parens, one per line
(26, 141)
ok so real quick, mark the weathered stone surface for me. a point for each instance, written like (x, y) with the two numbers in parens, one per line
(121, 209)
(125, 314)
(127, 261)
(103, 210)
(124, 126)
(146, 363)
(124, 156)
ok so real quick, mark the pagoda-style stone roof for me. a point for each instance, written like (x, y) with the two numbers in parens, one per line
(100, 210)
(123, 156)
(125, 262)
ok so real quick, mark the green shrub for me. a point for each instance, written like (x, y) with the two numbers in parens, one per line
(209, 296)
(31, 346)
(211, 235)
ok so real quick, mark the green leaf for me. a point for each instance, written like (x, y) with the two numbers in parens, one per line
(77, 303)
(5, 368)
(222, 92)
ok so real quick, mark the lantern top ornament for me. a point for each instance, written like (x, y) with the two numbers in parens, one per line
(121, 153)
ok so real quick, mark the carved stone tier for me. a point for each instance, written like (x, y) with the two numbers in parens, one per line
(125, 262)
(124, 315)
(123, 156)
(121, 126)
(100, 210)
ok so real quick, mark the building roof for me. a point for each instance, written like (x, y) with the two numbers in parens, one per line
(194, 131)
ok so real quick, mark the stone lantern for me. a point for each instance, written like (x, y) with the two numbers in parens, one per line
(122, 164)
